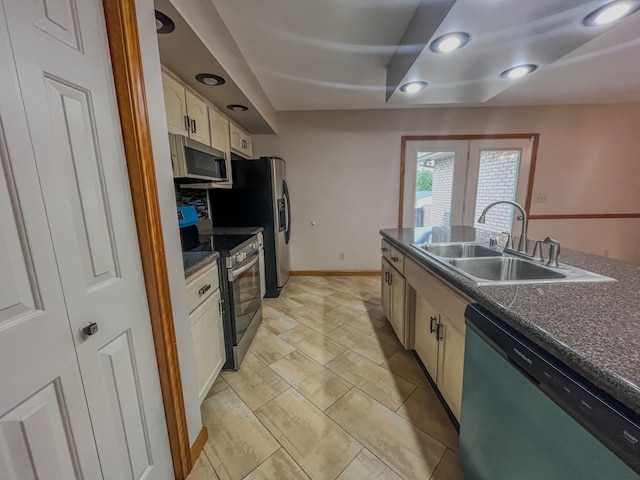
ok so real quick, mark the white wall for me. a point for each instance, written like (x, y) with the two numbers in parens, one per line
(343, 171)
(167, 200)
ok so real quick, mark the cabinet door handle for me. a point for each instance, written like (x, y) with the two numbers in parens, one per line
(186, 123)
(204, 289)
(384, 249)
(386, 277)
(390, 278)
(193, 126)
(439, 331)
(432, 320)
(220, 309)
(395, 259)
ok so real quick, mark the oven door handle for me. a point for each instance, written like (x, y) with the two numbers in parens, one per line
(233, 274)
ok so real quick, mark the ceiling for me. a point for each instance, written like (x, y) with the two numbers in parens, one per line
(186, 54)
(353, 54)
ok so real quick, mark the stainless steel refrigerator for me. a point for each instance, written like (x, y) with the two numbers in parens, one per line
(259, 198)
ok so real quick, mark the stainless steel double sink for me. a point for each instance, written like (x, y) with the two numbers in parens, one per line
(490, 266)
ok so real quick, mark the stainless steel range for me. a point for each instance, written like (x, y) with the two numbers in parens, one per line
(241, 295)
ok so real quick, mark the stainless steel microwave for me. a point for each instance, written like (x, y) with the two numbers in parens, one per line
(197, 164)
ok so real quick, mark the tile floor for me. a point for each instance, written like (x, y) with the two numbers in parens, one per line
(326, 392)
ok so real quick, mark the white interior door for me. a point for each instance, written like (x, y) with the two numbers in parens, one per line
(450, 182)
(45, 429)
(61, 53)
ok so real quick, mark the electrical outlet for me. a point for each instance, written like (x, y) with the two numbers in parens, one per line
(341, 256)
(541, 198)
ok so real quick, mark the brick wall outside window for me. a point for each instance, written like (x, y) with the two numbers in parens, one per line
(497, 180)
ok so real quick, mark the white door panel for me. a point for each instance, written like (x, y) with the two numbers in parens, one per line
(45, 429)
(58, 18)
(34, 439)
(125, 405)
(69, 99)
(82, 171)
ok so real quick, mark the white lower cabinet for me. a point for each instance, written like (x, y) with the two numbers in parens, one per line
(393, 299)
(206, 328)
(426, 325)
(439, 332)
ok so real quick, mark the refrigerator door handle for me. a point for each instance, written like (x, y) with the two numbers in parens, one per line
(288, 205)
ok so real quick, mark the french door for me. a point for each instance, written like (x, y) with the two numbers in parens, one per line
(450, 182)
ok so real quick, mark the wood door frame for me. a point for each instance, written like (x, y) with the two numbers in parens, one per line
(506, 136)
(126, 60)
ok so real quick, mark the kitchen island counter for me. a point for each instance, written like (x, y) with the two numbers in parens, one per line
(594, 328)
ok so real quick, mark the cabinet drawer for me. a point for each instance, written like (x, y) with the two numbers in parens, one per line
(385, 249)
(397, 259)
(202, 287)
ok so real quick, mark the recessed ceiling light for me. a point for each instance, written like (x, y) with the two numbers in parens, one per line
(163, 23)
(413, 87)
(611, 12)
(449, 42)
(237, 108)
(210, 79)
(518, 71)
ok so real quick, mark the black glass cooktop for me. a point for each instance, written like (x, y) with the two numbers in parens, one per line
(222, 243)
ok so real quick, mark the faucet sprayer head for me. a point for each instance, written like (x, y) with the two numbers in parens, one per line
(482, 218)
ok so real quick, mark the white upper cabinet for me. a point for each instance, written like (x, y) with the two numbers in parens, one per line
(219, 125)
(176, 105)
(240, 141)
(198, 116)
(187, 114)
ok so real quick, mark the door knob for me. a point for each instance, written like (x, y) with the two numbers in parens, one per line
(90, 329)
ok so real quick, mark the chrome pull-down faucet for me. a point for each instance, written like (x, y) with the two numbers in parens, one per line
(522, 244)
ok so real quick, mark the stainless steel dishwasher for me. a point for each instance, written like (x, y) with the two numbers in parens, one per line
(527, 416)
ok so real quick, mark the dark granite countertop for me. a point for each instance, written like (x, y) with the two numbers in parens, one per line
(205, 228)
(237, 230)
(195, 261)
(592, 327)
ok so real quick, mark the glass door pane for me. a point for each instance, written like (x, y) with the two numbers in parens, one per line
(434, 179)
(498, 170)
(497, 180)
(434, 188)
